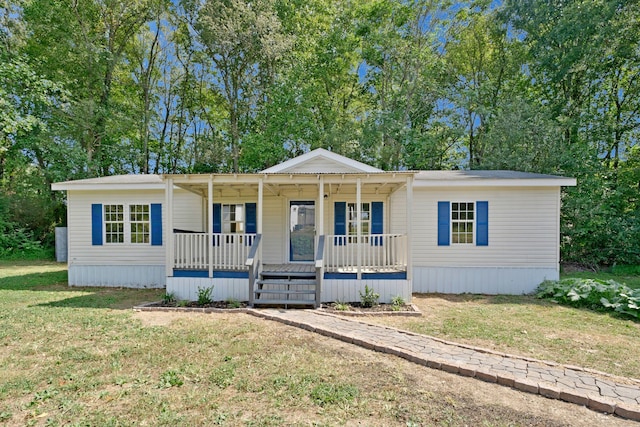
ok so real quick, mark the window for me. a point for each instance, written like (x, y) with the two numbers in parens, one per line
(127, 224)
(114, 223)
(352, 217)
(232, 219)
(139, 220)
(462, 220)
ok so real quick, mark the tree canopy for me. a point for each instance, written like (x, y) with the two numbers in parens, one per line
(103, 87)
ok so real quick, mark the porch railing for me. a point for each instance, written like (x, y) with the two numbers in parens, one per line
(377, 253)
(230, 251)
(254, 265)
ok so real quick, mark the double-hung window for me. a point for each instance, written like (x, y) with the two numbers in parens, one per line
(127, 224)
(462, 220)
(114, 223)
(352, 218)
(232, 219)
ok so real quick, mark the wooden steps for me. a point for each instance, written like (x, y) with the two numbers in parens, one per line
(286, 286)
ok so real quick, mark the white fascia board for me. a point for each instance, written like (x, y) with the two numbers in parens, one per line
(105, 187)
(551, 182)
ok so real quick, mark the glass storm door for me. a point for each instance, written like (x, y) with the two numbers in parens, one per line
(302, 230)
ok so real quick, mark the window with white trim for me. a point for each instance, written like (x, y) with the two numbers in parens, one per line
(352, 218)
(140, 223)
(232, 219)
(462, 222)
(127, 224)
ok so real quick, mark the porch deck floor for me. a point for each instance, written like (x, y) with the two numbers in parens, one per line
(289, 268)
(310, 268)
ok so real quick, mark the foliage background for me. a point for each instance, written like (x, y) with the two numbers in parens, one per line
(104, 87)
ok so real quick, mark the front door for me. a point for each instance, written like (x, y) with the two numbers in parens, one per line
(302, 230)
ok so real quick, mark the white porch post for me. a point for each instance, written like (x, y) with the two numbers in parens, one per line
(409, 248)
(168, 194)
(260, 209)
(210, 223)
(321, 206)
(260, 196)
(358, 225)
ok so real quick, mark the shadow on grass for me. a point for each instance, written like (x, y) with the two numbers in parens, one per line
(46, 281)
(109, 298)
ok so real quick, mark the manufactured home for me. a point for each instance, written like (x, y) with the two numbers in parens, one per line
(316, 228)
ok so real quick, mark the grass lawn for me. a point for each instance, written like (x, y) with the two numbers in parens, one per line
(535, 328)
(81, 356)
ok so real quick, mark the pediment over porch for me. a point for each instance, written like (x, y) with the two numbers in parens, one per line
(321, 161)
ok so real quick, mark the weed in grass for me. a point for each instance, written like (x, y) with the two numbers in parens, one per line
(170, 379)
(222, 376)
(329, 394)
(5, 416)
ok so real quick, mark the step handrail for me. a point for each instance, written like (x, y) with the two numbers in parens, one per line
(253, 262)
(319, 269)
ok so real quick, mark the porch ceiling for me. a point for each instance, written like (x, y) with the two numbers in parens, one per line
(276, 184)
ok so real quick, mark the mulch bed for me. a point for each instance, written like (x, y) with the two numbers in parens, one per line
(356, 309)
(194, 304)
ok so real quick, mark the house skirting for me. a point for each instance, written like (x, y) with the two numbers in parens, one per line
(348, 290)
(224, 288)
(345, 290)
(126, 276)
(481, 280)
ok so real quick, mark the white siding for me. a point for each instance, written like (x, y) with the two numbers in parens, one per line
(186, 288)
(187, 215)
(398, 211)
(274, 230)
(128, 276)
(188, 211)
(480, 280)
(523, 229)
(349, 290)
(81, 250)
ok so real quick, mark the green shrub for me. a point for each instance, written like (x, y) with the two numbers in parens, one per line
(369, 298)
(169, 298)
(397, 303)
(592, 293)
(204, 295)
(18, 243)
(233, 303)
(341, 306)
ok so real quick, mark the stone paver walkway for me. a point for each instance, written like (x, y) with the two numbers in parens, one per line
(596, 390)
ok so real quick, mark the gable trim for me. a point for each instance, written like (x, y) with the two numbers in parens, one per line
(321, 153)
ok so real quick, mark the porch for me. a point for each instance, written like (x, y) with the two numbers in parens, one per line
(268, 233)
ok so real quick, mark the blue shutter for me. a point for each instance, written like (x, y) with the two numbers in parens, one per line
(377, 222)
(156, 224)
(251, 223)
(217, 222)
(482, 223)
(96, 224)
(340, 222)
(443, 223)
